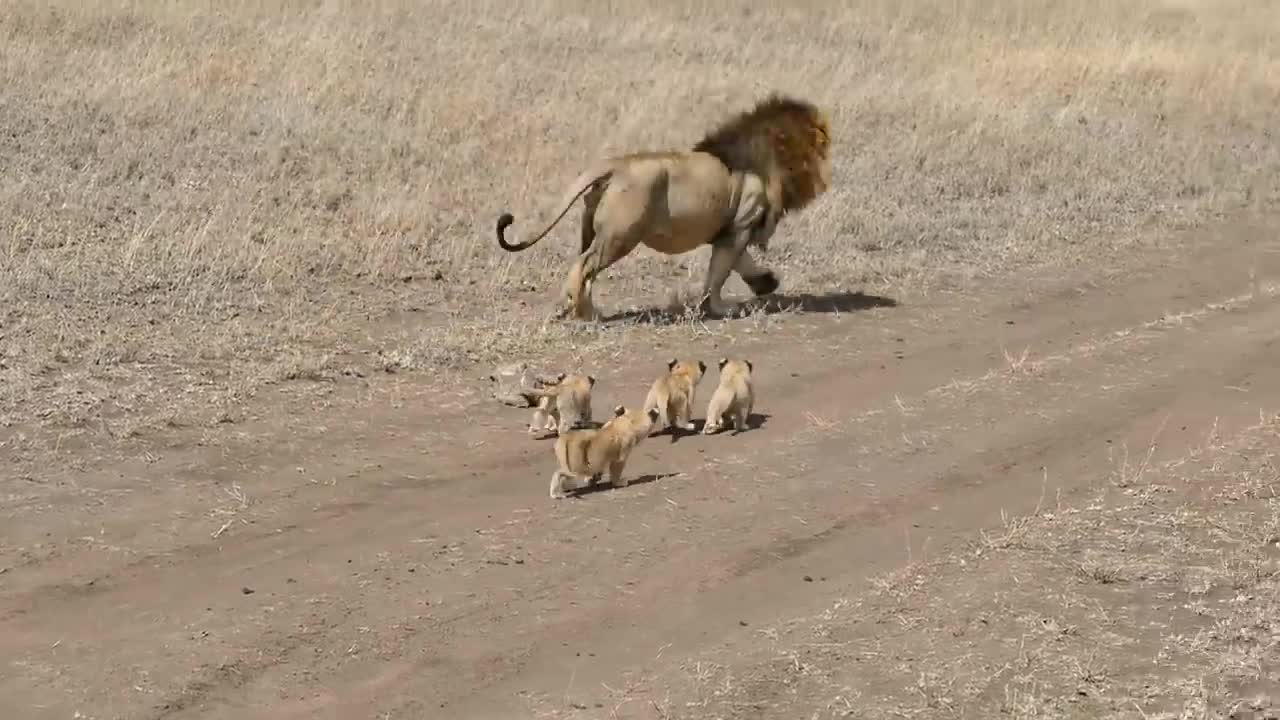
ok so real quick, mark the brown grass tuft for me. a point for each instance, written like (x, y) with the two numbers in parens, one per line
(1172, 611)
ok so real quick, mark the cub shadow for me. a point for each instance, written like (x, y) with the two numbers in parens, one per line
(677, 433)
(755, 421)
(830, 303)
(604, 485)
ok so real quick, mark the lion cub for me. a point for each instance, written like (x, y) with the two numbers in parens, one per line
(582, 455)
(564, 405)
(733, 398)
(673, 394)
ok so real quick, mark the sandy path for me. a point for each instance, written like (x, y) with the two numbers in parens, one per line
(393, 574)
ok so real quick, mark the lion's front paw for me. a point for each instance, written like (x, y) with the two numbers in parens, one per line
(766, 283)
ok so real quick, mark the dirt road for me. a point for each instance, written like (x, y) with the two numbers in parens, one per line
(392, 552)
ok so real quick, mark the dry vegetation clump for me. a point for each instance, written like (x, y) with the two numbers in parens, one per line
(1158, 601)
(216, 197)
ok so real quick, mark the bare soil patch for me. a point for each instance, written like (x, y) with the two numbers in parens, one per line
(1015, 398)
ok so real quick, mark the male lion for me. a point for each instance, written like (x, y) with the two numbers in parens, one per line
(730, 191)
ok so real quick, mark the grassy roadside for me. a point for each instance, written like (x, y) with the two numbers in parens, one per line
(1156, 596)
(200, 203)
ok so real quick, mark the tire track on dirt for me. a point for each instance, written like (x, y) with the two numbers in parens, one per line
(1189, 368)
(909, 346)
(663, 550)
(620, 618)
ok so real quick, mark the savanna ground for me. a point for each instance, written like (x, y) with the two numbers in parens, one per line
(249, 290)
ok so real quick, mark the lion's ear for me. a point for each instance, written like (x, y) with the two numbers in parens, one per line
(561, 376)
(620, 411)
(702, 367)
(672, 364)
(723, 362)
(591, 380)
(750, 367)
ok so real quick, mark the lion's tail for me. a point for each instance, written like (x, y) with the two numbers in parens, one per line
(584, 182)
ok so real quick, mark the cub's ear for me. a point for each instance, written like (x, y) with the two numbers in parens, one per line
(620, 411)
(702, 367)
(750, 367)
(672, 364)
(561, 376)
(723, 362)
(653, 414)
(591, 380)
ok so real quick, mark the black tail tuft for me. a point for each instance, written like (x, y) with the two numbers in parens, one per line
(504, 222)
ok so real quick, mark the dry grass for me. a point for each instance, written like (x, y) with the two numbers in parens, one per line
(1159, 600)
(219, 197)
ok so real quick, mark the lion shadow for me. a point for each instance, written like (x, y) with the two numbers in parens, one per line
(831, 303)
(837, 302)
(604, 485)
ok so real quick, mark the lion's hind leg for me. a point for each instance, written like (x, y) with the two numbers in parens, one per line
(618, 225)
(616, 477)
(680, 410)
(563, 482)
(577, 285)
(558, 489)
(715, 414)
(576, 292)
(589, 203)
(651, 402)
